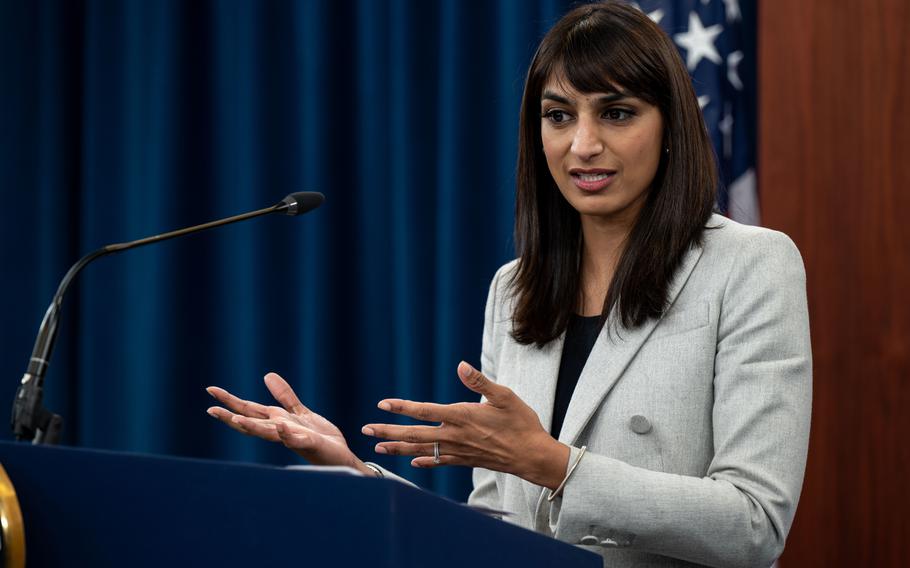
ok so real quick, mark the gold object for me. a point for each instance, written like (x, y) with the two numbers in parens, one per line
(11, 525)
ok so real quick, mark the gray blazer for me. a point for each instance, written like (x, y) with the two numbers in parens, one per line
(696, 424)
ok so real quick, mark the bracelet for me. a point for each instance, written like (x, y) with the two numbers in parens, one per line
(558, 490)
(375, 469)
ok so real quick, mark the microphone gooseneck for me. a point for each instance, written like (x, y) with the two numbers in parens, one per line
(30, 420)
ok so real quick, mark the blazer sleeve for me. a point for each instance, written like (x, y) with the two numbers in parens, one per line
(486, 492)
(740, 512)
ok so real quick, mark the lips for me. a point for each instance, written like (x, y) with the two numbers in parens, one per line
(592, 180)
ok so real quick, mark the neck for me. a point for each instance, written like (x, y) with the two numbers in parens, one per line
(603, 243)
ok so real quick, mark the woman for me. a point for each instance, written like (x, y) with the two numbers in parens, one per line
(646, 367)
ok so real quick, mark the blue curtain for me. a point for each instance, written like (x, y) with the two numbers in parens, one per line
(120, 120)
(123, 119)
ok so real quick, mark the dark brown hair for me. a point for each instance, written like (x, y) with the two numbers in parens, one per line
(606, 47)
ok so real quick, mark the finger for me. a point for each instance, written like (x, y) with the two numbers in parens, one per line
(238, 405)
(404, 449)
(225, 416)
(284, 394)
(256, 427)
(429, 462)
(410, 434)
(425, 411)
(497, 395)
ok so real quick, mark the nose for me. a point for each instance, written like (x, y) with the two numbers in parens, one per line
(586, 143)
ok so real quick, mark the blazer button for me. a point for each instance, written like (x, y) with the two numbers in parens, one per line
(640, 424)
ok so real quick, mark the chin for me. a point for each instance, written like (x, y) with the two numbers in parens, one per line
(596, 205)
(606, 211)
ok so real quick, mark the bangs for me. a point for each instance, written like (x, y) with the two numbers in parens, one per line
(599, 55)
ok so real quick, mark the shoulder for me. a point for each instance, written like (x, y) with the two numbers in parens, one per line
(749, 246)
(754, 271)
(497, 318)
(721, 231)
(503, 279)
(506, 270)
(743, 263)
(501, 298)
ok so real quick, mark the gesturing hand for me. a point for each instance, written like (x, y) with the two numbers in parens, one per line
(502, 434)
(293, 424)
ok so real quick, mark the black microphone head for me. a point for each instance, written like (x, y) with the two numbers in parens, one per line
(301, 202)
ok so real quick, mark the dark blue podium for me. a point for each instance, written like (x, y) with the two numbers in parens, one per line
(96, 508)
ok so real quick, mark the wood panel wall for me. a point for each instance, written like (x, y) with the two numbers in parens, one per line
(834, 167)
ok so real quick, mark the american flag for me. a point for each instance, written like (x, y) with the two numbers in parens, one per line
(716, 39)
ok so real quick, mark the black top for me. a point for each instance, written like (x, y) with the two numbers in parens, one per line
(580, 338)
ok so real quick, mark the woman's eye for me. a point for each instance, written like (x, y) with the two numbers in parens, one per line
(618, 114)
(556, 116)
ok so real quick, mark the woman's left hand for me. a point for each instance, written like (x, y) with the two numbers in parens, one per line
(501, 434)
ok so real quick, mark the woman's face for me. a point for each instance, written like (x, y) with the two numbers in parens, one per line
(603, 149)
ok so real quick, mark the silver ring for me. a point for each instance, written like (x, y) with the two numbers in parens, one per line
(436, 453)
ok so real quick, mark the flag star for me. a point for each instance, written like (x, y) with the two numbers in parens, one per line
(732, 74)
(732, 9)
(698, 42)
(656, 16)
(703, 101)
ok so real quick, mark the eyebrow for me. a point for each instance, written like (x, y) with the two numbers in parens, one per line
(608, 98)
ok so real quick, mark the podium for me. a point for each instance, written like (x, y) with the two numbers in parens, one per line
(98, 508)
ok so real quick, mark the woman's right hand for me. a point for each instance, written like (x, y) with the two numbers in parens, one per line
(297, 427)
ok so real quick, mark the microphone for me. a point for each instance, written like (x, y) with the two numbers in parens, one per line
(30, 419)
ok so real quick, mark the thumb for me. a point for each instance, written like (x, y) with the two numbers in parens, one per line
(477, 382)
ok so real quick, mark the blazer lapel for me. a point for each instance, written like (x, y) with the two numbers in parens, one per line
(543, 366)
(605, 365)
(610, 356)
